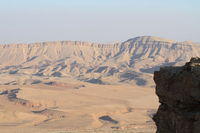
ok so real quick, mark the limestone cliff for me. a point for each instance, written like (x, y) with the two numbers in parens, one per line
(178, 89)
(131, 61)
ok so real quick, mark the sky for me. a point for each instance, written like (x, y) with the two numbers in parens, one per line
(103, 21)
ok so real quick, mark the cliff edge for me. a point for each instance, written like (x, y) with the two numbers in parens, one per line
(178, 89)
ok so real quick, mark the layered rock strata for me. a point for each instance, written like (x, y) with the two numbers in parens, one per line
(132, 61)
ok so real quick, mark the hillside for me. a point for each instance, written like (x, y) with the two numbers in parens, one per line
(132, 61)
(84, 87)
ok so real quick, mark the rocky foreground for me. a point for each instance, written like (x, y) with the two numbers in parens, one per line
(178, 89)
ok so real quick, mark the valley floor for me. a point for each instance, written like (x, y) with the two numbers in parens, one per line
(74, 106)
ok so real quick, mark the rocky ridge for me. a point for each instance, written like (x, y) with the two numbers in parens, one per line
(178, 89)
(132, 61)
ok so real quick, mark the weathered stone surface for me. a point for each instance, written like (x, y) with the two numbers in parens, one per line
(178, 89)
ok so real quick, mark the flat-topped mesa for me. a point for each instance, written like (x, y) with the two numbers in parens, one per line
(178, 89)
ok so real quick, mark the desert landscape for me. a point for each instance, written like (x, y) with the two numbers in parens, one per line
(73, 86)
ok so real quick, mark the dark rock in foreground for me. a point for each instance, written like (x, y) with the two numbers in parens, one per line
(178, 89)
(108, 119)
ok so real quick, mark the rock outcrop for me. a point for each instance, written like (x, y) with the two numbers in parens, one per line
(178, 89)
(11, 95)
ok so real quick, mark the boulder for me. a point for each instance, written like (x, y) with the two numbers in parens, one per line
(178, 89)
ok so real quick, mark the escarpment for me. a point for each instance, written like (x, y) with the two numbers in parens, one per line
(178, 89)
(132, 61)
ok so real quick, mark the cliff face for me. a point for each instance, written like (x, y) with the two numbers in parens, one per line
(131, 61)
(178, 89)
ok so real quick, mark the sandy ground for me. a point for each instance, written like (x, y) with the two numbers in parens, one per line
(75, 106)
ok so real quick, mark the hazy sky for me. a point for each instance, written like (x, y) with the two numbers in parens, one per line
(24, 21)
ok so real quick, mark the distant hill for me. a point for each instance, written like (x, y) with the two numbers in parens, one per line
(132, 61)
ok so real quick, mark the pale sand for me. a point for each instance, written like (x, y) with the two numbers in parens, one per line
(78, 110)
